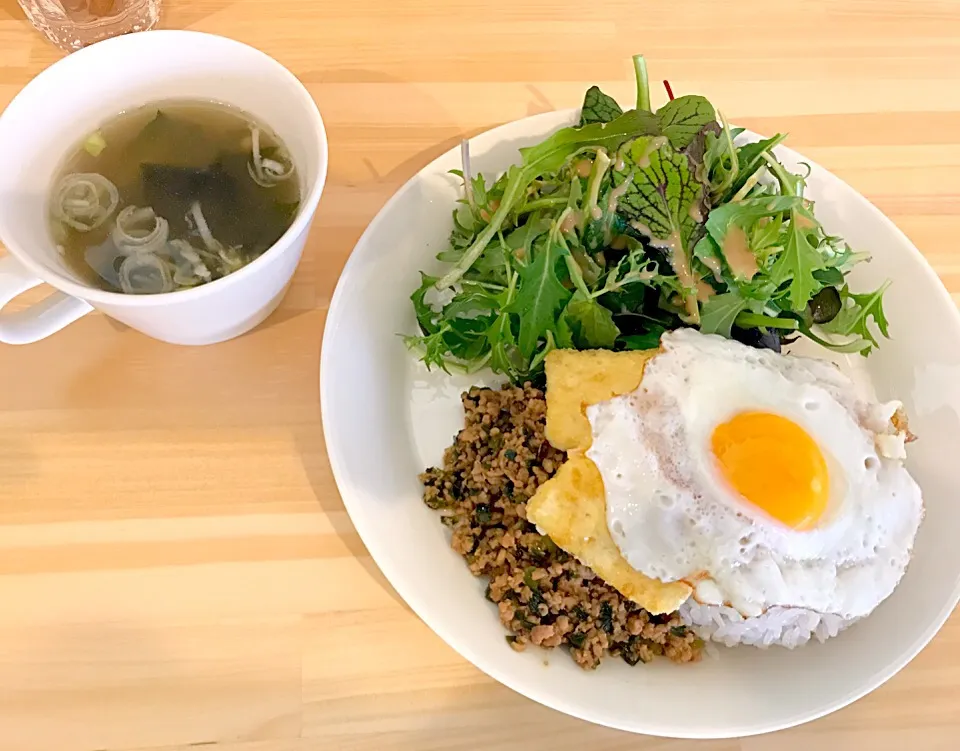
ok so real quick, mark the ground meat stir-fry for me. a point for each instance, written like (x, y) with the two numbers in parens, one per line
(544, 596)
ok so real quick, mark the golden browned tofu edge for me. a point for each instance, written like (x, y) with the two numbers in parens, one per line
(571, 509)
(577, 379)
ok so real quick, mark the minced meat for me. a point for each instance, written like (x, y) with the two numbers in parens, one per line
(543, 595)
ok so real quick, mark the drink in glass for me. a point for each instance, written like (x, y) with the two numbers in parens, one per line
(72, 24)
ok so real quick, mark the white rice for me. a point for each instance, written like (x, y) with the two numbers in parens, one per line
(785, 627)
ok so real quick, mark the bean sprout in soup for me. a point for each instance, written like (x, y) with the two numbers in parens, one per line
(172, 196)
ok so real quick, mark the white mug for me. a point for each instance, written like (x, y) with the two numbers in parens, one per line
(73, 98)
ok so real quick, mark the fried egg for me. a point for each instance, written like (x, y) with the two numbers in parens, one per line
(570, 507)
(763, 481)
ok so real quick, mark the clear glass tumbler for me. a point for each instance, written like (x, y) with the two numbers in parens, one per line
(72, 24)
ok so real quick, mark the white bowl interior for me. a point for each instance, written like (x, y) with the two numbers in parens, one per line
(384, 428)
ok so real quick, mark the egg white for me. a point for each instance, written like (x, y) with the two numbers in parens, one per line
(673, 517)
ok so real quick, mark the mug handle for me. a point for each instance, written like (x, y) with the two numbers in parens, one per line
(38, 321)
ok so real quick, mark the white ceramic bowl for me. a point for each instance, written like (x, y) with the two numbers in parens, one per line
(79, 93)
(386, 419)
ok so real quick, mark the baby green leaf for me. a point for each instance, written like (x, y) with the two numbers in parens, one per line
(564, 336)
(432, 349)
(427, 317)
(708, 252)
(681, 119)
(648, 340)
(549, 156)
(540, 297)
(797, 262)
(470, 302)
(520, 241)
(750, 158)
(659, 191)
(465, 338)
(765, 238)
(790, 184)
(829, 277)
(591, 324)
(598, 107)
(746, 213)
(696, 150)
(854, 316)
(517, 182)
(479, 191)
(719, 312)
(502, 344)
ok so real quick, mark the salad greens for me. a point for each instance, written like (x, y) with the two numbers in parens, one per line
(629, 224)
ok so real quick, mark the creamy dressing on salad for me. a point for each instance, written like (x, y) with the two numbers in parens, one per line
(736, 252)
(643, 160)
(570, 222)
(623, 186)
(704, 291)
(681, 267)
(616, 194)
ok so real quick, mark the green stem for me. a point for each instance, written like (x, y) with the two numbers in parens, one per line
(467, 177)
(548, 347)
(492, 286)
(516, 184)
(731, 149)
(643, 84)
(576, 273)
(511, 284)
(643, 275)
(790, 185)
(851, 346)
(479, 364)
(555, 230)
(543, 203)
(747, 320)
(600, 166)
(748, 185)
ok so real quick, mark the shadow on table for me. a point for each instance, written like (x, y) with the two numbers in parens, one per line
(309, 437)
(313, 454)
(343, 174)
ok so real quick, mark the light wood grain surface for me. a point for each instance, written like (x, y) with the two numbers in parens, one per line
(176, 567)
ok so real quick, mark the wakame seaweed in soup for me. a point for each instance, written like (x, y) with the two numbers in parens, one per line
(171, 196)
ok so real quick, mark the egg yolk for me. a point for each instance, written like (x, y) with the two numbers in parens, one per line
(774, 464)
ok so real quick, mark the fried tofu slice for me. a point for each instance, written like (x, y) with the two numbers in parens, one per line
(575, 380)
(571, 507)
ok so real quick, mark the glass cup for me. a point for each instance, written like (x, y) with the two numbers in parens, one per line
(72, 24)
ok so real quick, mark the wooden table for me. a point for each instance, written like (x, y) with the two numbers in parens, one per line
(176, 567)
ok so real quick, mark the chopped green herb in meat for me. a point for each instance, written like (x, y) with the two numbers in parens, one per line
(543, 596)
